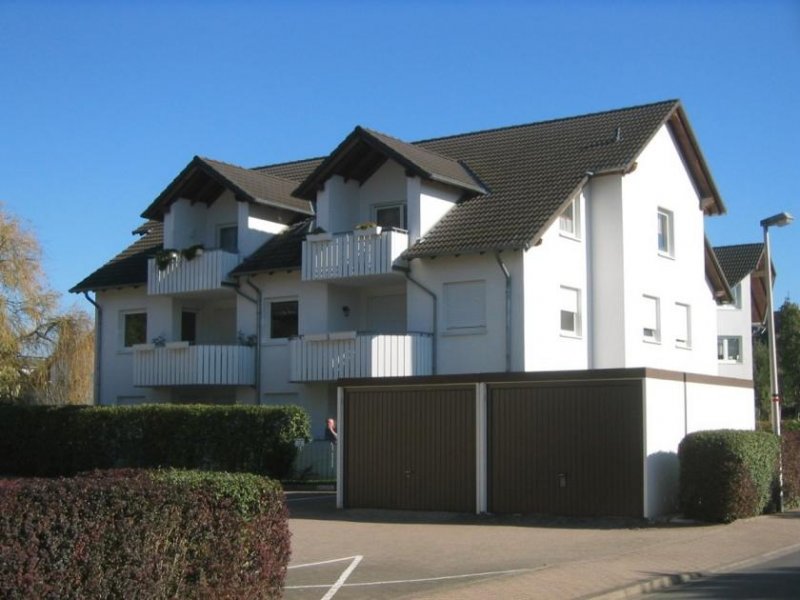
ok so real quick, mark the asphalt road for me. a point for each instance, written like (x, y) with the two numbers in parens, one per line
(775, 579)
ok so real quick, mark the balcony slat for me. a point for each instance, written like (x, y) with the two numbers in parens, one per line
(352, 255)
(194, 365)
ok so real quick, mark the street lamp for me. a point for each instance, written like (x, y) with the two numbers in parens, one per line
(778, 220)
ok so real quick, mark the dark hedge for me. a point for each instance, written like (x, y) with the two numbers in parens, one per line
(53, 441)
(726, 475)
(143, 535)
(791, 468)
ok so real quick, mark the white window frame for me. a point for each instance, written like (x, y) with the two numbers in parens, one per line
(570, 226)
(570, 304)
(737, 298)
(223, 226)
(460, 317)
(668, 218)
(268, 302)
(123, 317)
(723, 341)
(403, 212)
(683, 322)
(651, 334)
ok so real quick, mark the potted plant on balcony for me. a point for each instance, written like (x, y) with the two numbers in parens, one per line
(192, 251)
(164, 258)
(367, 228)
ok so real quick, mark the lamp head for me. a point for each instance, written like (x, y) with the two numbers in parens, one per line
(778, 220)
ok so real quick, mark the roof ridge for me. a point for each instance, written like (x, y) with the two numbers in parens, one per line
(747, 244)
(286, 163)
(546, 121)
(248, 169)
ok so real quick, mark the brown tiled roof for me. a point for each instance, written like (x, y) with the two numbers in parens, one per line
(533, 170)
(739, 260)
(284, 251)
(364, 151)
(204, 179)
(296, 170)
(129, 267)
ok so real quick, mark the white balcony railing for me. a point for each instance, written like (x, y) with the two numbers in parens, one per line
(353, 254)
(331, 356)
(178, 363)
(203, 272)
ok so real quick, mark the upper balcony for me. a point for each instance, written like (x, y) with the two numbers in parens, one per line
(358, 253)
(346, 354)
(177, 273)
(179, 363)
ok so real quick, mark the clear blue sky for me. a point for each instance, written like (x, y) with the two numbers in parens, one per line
(103, 103)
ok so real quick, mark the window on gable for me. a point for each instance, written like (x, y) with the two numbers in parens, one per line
(465, 305)
(391, 216)
(651, 323)
(228, 238)
(729, 349)
(570, 311)
(666, 243)
(569, 221)
(683, 325)
(283, 319)
(134, 328)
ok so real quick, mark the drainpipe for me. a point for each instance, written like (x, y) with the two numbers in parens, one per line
(257, 301)
(407, 272)
(98, 345)
(507, 275)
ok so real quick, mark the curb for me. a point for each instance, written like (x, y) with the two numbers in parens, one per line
(661, 583)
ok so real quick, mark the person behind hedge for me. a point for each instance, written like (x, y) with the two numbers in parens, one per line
(330, 432)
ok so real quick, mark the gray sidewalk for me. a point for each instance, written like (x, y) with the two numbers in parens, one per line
(434, 555)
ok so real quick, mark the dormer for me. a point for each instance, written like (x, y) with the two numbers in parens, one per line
(224, 207)
(372, 178)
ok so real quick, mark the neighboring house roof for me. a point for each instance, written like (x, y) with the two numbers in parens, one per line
(716, 276)
(739, 261)
(203, 180)
(534, 170)
(129, 267)
(282, 252)
(364, 151)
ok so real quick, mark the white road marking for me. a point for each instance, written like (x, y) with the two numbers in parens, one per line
(323, 562)
(342, 578)
(398, 581)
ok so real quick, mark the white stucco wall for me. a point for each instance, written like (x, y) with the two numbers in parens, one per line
(624, 265)
(672, 410)
(434, 202)
(736, 321)
(559, 260)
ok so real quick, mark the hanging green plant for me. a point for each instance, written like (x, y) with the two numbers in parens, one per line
(164, 258)
(192, 251)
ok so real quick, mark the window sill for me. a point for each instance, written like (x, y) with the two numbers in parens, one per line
(465, 331)
(729, 362)
(569, 236)
(666, 255)
(651, 341)
(683, 346)
(571, 336)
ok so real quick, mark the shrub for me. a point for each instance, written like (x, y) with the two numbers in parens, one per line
(791, 467)
(726, 475)
(52, 441)
(143, 534)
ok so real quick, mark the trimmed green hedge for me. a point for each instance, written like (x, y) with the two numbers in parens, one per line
(726, 475)
(143, 534)
(52, 441)
(791, 468)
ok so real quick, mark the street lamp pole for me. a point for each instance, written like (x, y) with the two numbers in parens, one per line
(778, 220)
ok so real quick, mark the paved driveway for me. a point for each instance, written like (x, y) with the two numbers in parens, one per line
(393, 554)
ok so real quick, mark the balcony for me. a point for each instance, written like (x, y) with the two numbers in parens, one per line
(332, 356)
(354, 254)
(178, 363)
(202, 273)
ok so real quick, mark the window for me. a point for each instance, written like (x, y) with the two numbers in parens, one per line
(134, 328)
(391, 216)
(570, 311)
(465, 305)
(666, 244)
(737, 295)
(229, 238)
(729, 349)
(283, 319)
(651, 326)
(189, 326)
(683, 325)
(569, 221)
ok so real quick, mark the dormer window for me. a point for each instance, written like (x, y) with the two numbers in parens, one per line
(391, 215)
(228, 238)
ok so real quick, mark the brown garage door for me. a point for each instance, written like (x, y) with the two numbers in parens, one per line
(410, 449)
(566, 448)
